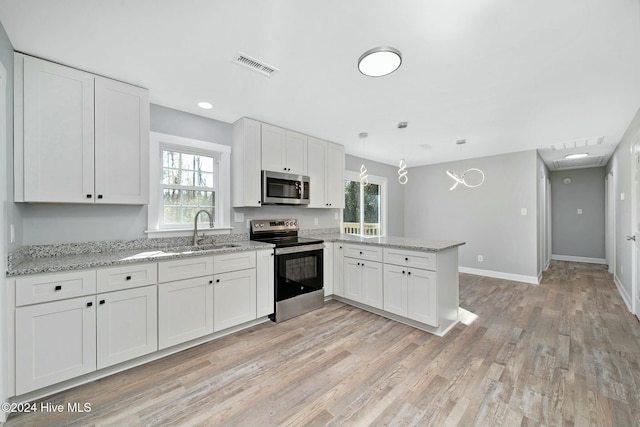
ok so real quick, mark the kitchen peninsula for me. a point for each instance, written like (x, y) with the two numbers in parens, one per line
(410, 280)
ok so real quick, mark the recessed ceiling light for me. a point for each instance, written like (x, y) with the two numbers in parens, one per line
(576, 156)
(379, 61)
(461, 141)
(205, 105)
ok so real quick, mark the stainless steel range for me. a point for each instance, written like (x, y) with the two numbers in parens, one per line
(298, 267)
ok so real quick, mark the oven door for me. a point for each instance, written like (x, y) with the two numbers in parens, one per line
(298, 270)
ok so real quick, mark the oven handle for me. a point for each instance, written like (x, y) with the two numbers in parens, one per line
(301, 248)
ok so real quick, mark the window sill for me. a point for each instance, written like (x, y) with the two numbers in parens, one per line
(180, 232)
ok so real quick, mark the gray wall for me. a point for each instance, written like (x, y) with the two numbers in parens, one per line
(573, 234)
(620, 166)
(488, 218)
(395, 191)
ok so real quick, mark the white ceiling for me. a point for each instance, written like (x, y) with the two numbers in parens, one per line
(504, 75)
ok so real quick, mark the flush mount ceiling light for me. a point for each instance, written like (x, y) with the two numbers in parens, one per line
(379, 61)
(205, 105)
(576, 156)
(461, 141)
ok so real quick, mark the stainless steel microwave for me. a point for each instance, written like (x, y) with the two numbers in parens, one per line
(284, 188)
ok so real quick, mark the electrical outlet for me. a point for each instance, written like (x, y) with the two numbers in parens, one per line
(480, 258)
(315, 221)
(579, 211)
(523, 211)
(621, 196)
(248, 225)
(13, 233)
(238, 217)
(335, 216)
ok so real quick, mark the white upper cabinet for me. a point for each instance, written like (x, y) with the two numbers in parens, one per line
(246, 164)
(56, 145)
(79, 138)
(283, 150)
(326, 170)
(122, 143)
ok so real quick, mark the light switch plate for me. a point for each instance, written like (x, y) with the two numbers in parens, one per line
(523, 211)
(579, 211)
(621, 196)
(238, 217)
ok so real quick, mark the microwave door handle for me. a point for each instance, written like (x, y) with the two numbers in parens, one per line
(299, 187)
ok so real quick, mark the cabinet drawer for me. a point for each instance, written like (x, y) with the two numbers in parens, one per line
(130, 276)
(371, 253)
(53, 287)
(234, 261)
(424, 260)
(179, 269)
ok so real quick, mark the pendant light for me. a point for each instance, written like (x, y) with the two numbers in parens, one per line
(462, 179)
(402, 166)
(364, 176)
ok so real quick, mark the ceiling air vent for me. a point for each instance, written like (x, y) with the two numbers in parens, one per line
(255, 65)
(585, 162)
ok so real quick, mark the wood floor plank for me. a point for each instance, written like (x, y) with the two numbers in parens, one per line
(566, 352)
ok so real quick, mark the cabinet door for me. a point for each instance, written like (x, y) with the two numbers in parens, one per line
(338, 269)
(185, 310)
(58, 144)
(395, 290)
(352, 279)
(421, 285)
(296, 153)
(127, 325)
(55, 341)
(335, 176)
(327, 272)
(273, 148)
(234, 298)
(372, 284)
(265, 283)
(246, 163)
(316, 153)
(121, 143)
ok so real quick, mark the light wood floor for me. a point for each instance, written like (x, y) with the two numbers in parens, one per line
(566, 352)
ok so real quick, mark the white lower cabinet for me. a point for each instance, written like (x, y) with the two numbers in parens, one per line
(127, 325)
(327, 271)
(338, 269)
(265, 283)
(185, 310)
(411, 293)
(363, 282)
(234, 298)
(55, 341)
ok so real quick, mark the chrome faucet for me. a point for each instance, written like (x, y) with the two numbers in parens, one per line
(195, 226)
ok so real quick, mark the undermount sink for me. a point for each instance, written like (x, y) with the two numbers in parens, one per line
(200, 248)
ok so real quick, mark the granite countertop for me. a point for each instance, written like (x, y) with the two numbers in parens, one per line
(52, 258)
(409, 243)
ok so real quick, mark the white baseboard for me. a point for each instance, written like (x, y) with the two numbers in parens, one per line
(500, 275)
(579, 259)
(623, 292)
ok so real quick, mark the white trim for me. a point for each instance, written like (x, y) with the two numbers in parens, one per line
(579, 259)
(500, 275)
(223, 195)
(623, 293)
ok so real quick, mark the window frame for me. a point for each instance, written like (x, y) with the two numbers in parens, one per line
(373, 179)
(160, 141)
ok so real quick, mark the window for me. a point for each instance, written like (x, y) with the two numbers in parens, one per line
(187, 176)
(188, 185)
(364, 205)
